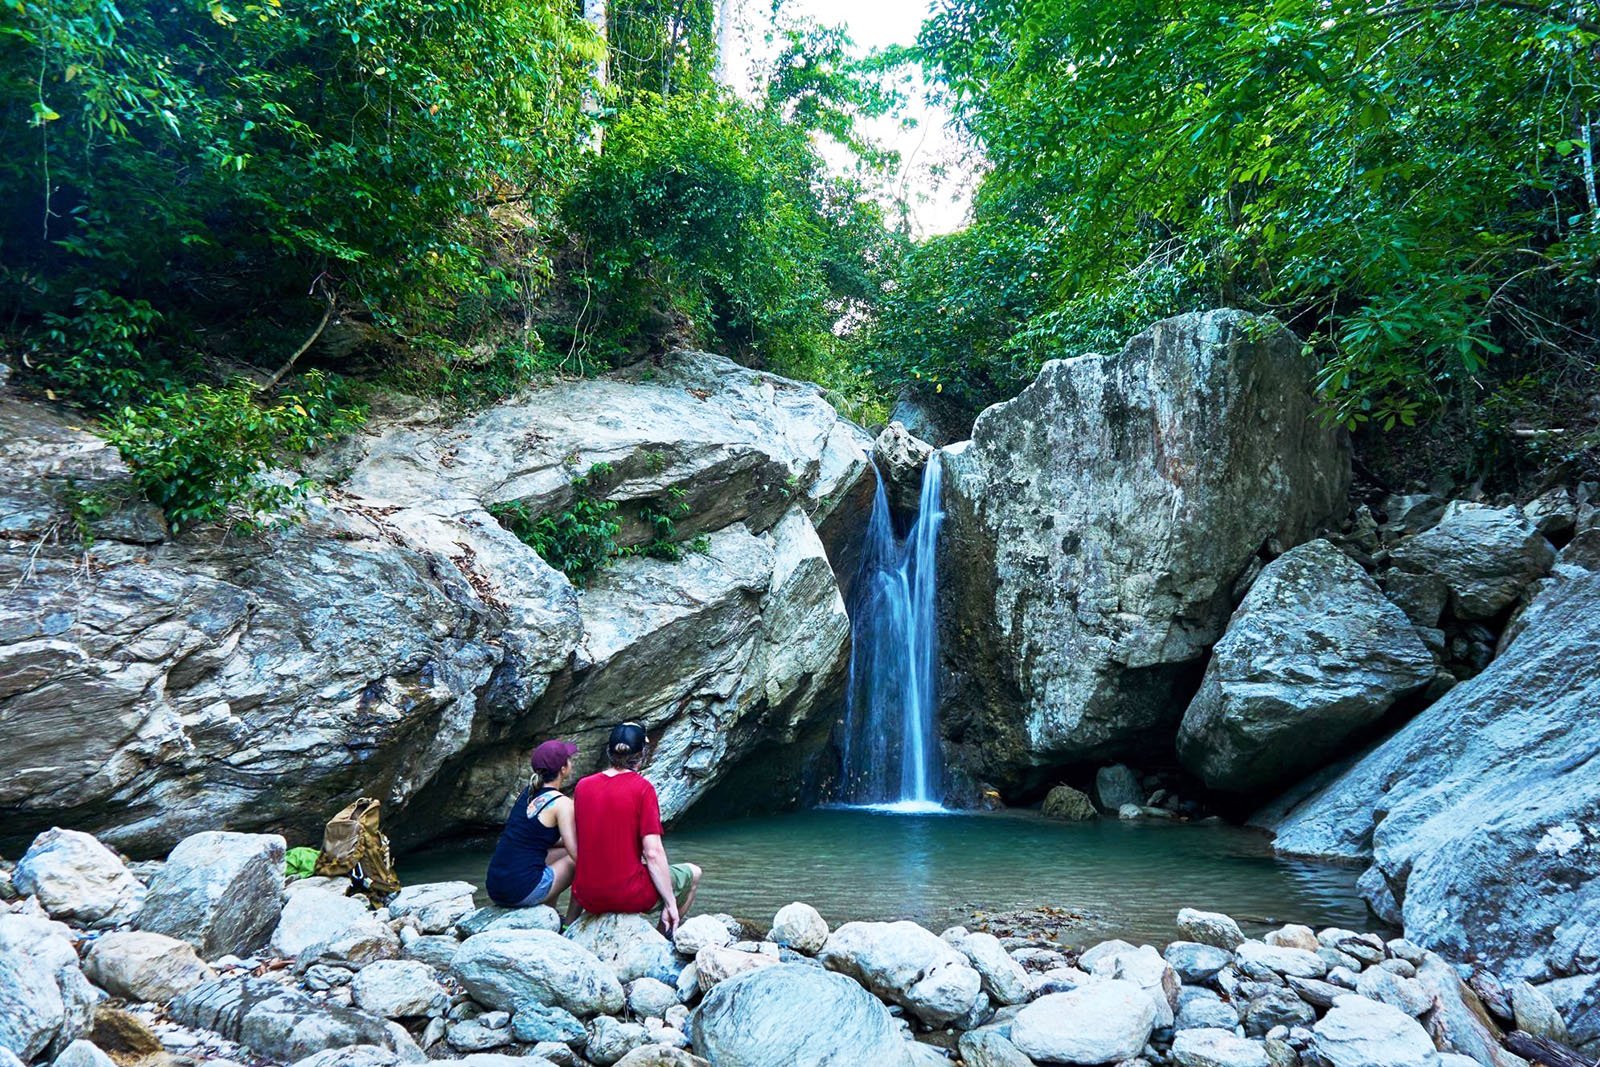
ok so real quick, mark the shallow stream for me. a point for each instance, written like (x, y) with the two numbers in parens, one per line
(1128, 879)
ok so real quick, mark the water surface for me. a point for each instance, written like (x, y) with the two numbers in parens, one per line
(1131, 877)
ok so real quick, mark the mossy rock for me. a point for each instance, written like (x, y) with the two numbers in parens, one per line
(1068, 804)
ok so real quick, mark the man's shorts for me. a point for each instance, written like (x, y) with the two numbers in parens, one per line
(682, 878)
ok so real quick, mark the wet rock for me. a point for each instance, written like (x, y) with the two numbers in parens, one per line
(1099, 1023)
(901, 457)
(1313, 655)
(142, 966)
(399, 989)
(221, 892)
(1211, 928)
(793, 1015)
(1486, 556)
(1115, 786)
(45, 1001)
(906, 965)
(1102, 517)
(801, 927)
(1478, 792)
(311, 915)
(436, 906)
(1069, 805)
(505, 968)
(76, 877)
(1359, 1032)
(1217, 1048)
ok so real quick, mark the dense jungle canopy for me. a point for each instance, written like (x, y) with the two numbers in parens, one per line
(228, 223)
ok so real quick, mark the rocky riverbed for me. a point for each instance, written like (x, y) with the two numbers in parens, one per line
(210, 956)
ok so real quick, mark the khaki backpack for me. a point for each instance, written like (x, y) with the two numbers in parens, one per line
(352, 844)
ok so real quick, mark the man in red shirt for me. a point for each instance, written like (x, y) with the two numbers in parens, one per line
(624, 867)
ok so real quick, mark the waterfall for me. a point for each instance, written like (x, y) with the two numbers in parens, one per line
(890, 747)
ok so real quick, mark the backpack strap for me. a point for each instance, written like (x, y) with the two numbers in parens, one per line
(538, 804)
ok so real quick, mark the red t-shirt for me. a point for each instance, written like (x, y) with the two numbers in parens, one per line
(614, 813)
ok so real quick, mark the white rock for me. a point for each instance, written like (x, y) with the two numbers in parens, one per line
(350, 1056)
(504, 968)
(45, 1001)
(1104, 1022)
(1144, 967)
(716, 965)
(1358, 1032)
(1293, 936)
(82, 1053)
(650, 997)
(801, 927)
(1407, 994)
(142, 966)
(76, 877)
(437, 906)
(611, 1039)
(1003, 977)
(796, 1015)
(1217, 1048)
(1286, 961)
(399, 989)
(629, 944)
(1211, 928)
(221, 892)
(311, 915)
(698, 931)
(904, 963)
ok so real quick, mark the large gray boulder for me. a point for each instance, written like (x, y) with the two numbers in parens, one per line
(314, 914)
(1485, 556)
(76, 877)
(1098, 522)
(220, 891)
(1358, 1032)
(901, 458)
(907, 965)
(793, 1015)
(504, 969)
(226, 681)
(1479, 815)
(1314, 654)
(45, 1001)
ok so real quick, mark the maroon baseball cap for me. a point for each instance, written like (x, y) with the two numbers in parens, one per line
(551, 756)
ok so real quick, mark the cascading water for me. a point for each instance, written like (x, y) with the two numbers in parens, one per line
(890, 749)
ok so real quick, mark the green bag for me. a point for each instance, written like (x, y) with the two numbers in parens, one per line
(300, 863)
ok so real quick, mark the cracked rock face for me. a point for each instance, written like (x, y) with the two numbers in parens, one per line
(1479, 815)
(1097, 524)
(398, 639)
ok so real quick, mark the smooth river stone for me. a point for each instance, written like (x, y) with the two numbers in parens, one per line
(1104, 1022)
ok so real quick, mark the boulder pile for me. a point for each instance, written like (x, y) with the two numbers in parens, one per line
(246, 968)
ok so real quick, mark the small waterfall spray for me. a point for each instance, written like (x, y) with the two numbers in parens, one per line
(890, 747)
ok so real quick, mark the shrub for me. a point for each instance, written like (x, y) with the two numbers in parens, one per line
(204, 452)
(577, 540)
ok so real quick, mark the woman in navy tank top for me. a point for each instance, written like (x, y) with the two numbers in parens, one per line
(536, 855)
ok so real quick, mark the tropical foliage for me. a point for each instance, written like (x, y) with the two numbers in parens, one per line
(1410, 185)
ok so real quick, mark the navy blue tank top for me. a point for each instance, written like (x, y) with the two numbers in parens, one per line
(518, 860)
